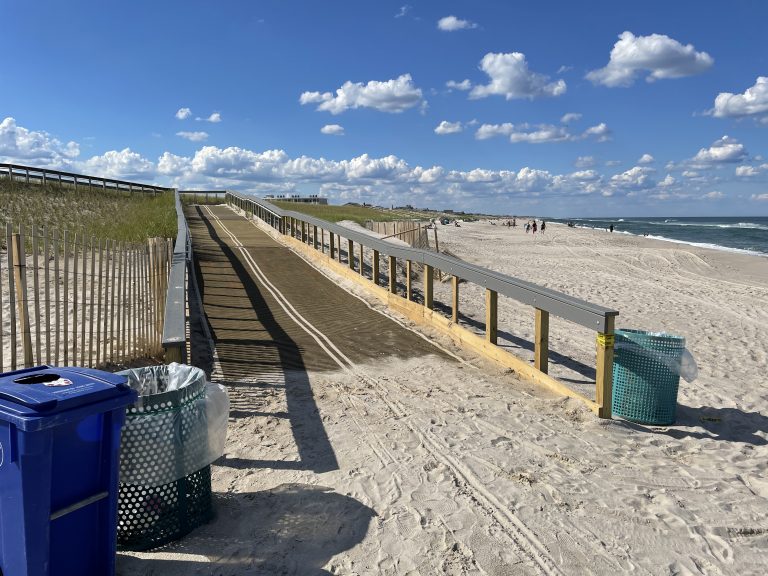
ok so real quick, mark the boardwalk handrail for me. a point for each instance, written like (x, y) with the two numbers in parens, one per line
(175, 324)
(544, 300)
(45, 175)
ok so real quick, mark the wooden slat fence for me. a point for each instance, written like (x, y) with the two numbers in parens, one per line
(67, 298)
(416, 234)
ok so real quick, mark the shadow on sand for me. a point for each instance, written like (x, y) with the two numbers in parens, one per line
(291, 529)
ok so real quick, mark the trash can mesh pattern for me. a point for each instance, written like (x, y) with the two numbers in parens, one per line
(165, 435)
(149, 517)
(646, 376)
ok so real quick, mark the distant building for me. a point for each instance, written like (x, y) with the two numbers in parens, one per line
(311, 199)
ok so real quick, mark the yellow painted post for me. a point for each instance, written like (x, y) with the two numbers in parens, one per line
(429, 287)
(541, 341)
(407, 279)
(375, 273)
(491, 316)
(604, 379)
(392, 274)
(350, 254)
(455, 299)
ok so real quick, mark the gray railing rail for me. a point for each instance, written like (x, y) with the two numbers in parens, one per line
(544, 300)
(45, 176)
(578, 311)
(175, 323)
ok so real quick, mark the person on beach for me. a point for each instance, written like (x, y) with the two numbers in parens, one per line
(611, 228)
(534, 227)
(543, 226)
(527, 227)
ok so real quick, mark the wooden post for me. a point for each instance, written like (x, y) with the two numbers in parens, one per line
(455, 299)
(339, 249)
(350, 254)
(303, 232)
(491, 316)
(85, 300)
(375, 272)
(47, 281)
(541, 341)
(322, 240)
(36, 289)
(314, 237)
(408, 280)
(604, 379)
(429, 287)
(362, 259)
(99, 337)
(392, 274)
(20, 277)
(56, 296)
(11, 289)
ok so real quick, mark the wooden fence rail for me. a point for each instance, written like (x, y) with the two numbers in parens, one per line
(416, 234)
(70, 299)
(301, 232)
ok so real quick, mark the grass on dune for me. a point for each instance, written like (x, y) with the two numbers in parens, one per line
(359, 214)
(114, 215)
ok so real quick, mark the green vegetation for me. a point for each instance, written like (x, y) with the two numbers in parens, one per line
(360, 214)
(105, 214)
(202, 198)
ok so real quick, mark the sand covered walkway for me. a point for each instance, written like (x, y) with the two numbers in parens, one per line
(357, 447)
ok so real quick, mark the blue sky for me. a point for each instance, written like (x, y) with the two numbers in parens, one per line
(548, 108)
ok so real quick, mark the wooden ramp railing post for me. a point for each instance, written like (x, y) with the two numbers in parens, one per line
(408, 286)
(491, 316)
(314, 237)
(362, 258)
(604, 379)
(331, 244)
(20, 277)
(351, 254)
(429, 287)
(375, 272)
(392, 274)
(455, 299)
(541, 343)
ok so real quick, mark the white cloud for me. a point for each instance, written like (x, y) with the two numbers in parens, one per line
(714, 195)
(584, 162)
(668, 181)
(393, 96)
(760, 197)
(690, 174)
(463, 85)
(30, 147)
(646, 159)
(451, 24)
(193, 136)
(539, 133)
(183, 113)
(636, 178)
(213, 118)
(754, 101)
(122, 164)
(446, 127)
(657, 54)
(724, 150)
(570, 117)
(403, 11)
(745, 171)
(333, 130)
(511, 78)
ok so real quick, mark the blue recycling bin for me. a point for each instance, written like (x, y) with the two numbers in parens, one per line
(59, 454)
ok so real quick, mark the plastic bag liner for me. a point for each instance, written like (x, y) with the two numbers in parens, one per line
(177, 426)
(683, 364)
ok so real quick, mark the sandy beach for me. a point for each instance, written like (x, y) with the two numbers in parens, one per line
(460, 468)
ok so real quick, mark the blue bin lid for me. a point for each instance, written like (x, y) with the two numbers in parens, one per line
(47, 390)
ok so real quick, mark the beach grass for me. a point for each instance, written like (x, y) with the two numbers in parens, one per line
(120, 216)
(361, 214)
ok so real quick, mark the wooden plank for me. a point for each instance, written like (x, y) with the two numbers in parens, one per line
(455, 299)
(11, 291)
(117, 300)
(429, 287)
(56, 296)
(350, 254)
(83, 321)
(109, 303)
(332, 245)
(408, 287)
(314, 236)
(2, 320)
(47, 281)
(20, 278)
(36, 290)
(392, 274)
(339, 248)
(362, 259)
(75, 254)
(65, 300)
(604, 378)
(375, 272)
(491, 316)
(91, 317)
(541, 341)
(322, 240)
(100, 328)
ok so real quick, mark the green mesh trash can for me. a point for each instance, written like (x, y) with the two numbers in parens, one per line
(646, 376)
(162, 496)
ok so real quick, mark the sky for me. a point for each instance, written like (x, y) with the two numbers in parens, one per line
(547, 108)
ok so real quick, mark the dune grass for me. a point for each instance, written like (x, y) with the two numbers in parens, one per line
(359, 214)
(115, 215)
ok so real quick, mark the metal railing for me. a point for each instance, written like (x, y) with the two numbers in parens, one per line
(30, 174)
(175, 323)
(545, 301)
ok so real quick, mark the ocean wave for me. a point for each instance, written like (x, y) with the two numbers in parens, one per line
(704, 245)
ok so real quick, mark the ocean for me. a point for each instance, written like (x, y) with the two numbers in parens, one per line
(746, 234)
